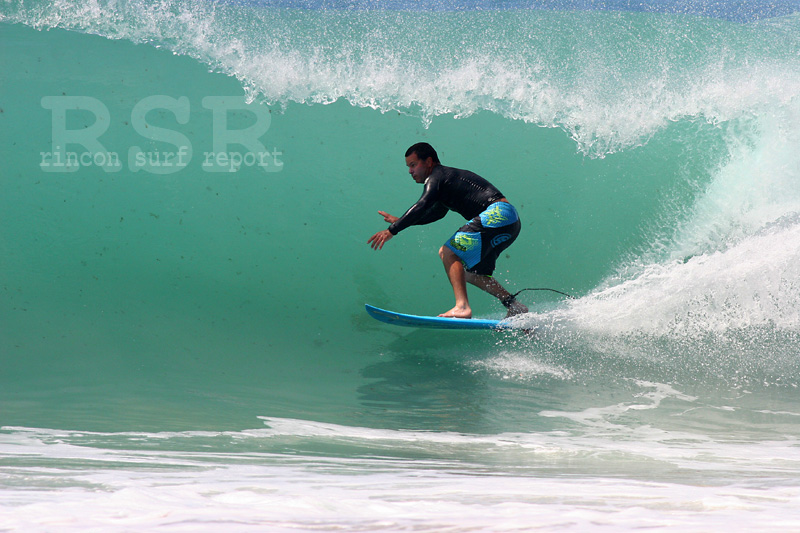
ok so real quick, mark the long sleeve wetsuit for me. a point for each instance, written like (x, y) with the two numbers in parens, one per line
(448, 188)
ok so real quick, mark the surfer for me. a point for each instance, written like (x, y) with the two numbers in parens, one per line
(470, 254)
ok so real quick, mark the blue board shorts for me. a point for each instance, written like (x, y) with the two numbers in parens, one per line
(480, 242)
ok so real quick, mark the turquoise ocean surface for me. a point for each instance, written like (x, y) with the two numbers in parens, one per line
(186, 192)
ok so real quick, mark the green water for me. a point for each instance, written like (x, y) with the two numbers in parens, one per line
(199, 299)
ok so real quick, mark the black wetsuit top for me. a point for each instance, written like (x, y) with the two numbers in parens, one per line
(448, 188)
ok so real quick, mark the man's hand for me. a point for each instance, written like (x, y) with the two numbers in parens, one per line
(379, 239)
(391, 219)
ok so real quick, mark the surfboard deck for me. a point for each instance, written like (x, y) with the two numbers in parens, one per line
(435, 322)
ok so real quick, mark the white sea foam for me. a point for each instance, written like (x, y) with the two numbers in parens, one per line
(732, 260)
(79, 481)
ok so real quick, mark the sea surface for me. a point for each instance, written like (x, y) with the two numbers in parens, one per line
(186, 192)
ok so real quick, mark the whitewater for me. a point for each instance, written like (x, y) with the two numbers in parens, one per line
(187, 191)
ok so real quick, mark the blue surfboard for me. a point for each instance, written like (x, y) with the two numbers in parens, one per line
(435, 322)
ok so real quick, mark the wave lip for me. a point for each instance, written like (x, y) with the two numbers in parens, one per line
(611, 80)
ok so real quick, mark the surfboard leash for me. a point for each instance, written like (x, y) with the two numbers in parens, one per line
(542, 289)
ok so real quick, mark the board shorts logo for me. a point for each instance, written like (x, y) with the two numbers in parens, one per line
(498, 214)
(463, 242)
(499, 239)
(493, 216)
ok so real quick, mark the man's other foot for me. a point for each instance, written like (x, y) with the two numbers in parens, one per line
(516, 308)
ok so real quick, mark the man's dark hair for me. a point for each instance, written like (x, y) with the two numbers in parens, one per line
(423, 151)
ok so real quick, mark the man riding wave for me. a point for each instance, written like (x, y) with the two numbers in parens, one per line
(470, 254)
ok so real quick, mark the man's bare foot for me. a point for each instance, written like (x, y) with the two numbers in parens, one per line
(516, 308)
(458, 312)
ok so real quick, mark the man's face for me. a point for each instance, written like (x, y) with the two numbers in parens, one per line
(419, 170)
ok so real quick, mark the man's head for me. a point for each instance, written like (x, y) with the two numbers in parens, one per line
(420, 160)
